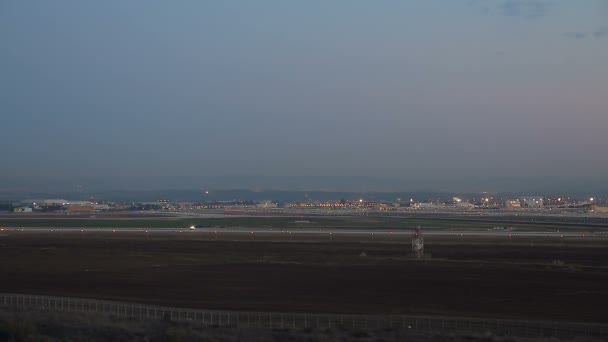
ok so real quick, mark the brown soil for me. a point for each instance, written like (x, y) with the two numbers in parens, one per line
(531, 278)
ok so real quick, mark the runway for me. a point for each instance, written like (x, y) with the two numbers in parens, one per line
(313, 231)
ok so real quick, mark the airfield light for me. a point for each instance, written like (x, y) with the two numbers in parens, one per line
(361, 201)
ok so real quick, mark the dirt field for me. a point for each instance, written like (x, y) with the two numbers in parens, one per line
(529, 278)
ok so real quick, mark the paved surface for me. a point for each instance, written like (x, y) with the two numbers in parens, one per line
(328, 231)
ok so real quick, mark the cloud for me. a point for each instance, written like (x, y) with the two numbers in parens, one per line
(601, 32)
(577, 35)
(598, 33)
(525, 8)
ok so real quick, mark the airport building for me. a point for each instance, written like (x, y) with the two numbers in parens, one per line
(81, 209)
(594, 208)
(532, 202)
(512, 204)
(266, 205)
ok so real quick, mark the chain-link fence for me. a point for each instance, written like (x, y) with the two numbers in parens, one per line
(276, 320)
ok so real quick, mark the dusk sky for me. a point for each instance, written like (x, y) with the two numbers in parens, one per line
(127, 91)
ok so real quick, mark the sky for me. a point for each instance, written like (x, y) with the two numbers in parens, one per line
(157, 94)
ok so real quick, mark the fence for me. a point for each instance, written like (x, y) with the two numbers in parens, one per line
(131, 311)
